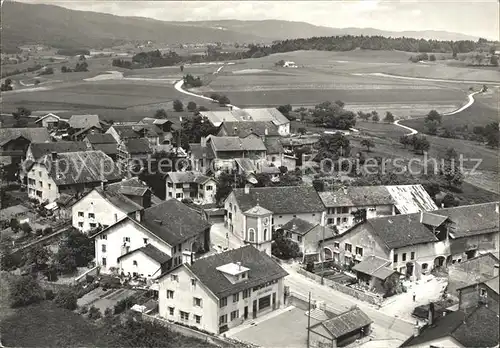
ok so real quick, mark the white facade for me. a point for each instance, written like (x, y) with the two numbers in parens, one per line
(199, 193)
(40, 184)
(343, 216)
(139, 264)
(284, 129)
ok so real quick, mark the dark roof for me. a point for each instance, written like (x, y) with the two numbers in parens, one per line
(151, 251)
(434, 220)
(281, 200)
(375, 267)
(243, 129)
(173, 221)
(299, 141)
(298, 226)
(117, 194)
(251, 143)
(41, 149)
(197, 151)
(108, 149)
(478, 328)
(135, 146)
(84, 121)
(188, 177)
(273, 145)
(347, 322)
(125, 132)
(262, 270)
(98, 138)
(401, 230)
(35, 135)
(81, 167)
(470, 220)
(85, 130)
(357, 196)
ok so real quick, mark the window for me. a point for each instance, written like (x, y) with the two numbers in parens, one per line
(223, 302)
(314, 214)
(359, 251)
(246, 293)
(412, 256)
(404, 257)
(209, 188)
(193, 282)
(126, 239)
(251, 234)
(40, 184)
(170, 194)
(175, 249)
(174, 278)
(103, 261)
(178, 185)
(50, 186)
(134, 263)
(235, 314)
(103, 236)
(347, 259)
(344, 210)
(93, 225)
(243, 275)
(223, 319)
(264, 302)
(103, 248)
(170, 184)
(338, 221)
(344, 219)
(80, 214)
(265, 233)
(236, 297)
(171, 310)
(336, 245)
(395, 257)
(299, 238)
(170, 294)
(146, 240)
(91, 216)
(196, 302)
(197, 318)
(184, 316)
(179, 247)
(483, 292)
(230, 206)
(80, 224)
(295, 216)
(348, 247)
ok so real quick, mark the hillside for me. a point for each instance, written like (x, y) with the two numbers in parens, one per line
(24, 23)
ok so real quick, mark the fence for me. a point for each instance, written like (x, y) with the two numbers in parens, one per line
(360, 295)
(186, 331)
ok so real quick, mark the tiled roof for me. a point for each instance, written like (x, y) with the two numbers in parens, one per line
(243, 129)
(98, 138)
(108, 149)
(188, 177)
(273, 146)
(136, 146)
(299, 141)
(298, 226)
(151, 251)
(493, 284)
(84, 130)
(81, 167)
(245, 115)
(411, 198)
(246, 165)
(353, 196)
(117, 194)
(10, 212)
(173, 221)
(434, 220)
(281, 200)
(197, 151)
(48, 115)
(35, 135)
(84, 121)
(270, 170)
(268, 114)
(478, 328)
(347, 322)
(41, 149)
(237, 144)
(125, 132)
(262, 270)
(375, 267)
(470, 220)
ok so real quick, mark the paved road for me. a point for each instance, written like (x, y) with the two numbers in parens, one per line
(391, 326)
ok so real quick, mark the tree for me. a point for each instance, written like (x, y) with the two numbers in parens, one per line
(368, 143)
(193, 129)
(283, 248)
(76, 250)
(492, 133)
(340, 103)
(332, 146)
(450, 201)
(26, 228)
(431, 127)
(375, 117)
(64, 69)
(7, 85)
(178, 106)
(389, 117)
(24, 291)
(432, 58)
(364, 116)
(301, 130)
(280, 63)
(38, 256)
(451, 171)
(67, 299)
(285, 109)
(359, 215)
(494, 60)
(223, 100)
(191, 106)
(433, 115)
(161, 113)
(420, 144)
(191, 81)
(94, 313)
(225, 184)
(14, 225)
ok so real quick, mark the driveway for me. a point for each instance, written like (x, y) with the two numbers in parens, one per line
(221, 238)
(103, 300)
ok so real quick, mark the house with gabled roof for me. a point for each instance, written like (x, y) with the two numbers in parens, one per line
(102, 142)
(133, 152)
(484, 292)
(49, 121)
(417, 243)
(15, 141)
(462, 273)
(191, 185)
(81, 122)
(253, 213)
(72, 173)
(221, 291)
(171, 228)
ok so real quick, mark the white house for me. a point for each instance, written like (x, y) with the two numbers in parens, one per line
(200, 188)
(222, 291)
(171, 228)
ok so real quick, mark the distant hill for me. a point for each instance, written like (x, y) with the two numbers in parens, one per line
(56, 26)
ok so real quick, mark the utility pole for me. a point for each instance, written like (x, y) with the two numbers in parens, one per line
(309, 322)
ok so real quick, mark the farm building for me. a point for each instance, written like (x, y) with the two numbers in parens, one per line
(49, 121)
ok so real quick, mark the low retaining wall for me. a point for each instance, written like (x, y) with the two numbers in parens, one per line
(186, 331)
(372, 299)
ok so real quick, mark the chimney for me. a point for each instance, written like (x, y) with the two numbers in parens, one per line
(247, 189)
(54, 156)
(421, 216)
(431, 313)
(187, 257)
(239, 265)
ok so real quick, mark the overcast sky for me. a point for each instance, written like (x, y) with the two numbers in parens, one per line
(472, 17)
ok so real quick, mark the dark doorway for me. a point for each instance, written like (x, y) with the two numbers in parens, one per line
(254, 309)
(245, 313)
(470, 254)
(274, 301)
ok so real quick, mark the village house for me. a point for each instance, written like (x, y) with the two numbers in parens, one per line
(121, 132)
(194, 185)
(219, 292)
(471, 271)
(252, 214)
(132, 154)
(477, 327)
(374, 201)
(83, 122)
(104, 206)
(102, 142)
(483, 293)
(417, 243)
(152, 241)
(72, 173)
(263, 129)
(217, 118)
(341, 330)
(14, 142)
(49, 121)
(377, 275)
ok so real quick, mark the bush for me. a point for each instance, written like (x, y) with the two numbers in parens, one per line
(85, 290)
(49, 295)
(84, 310)
(67, 299)
(47, 231)
(223, 100)
(108, 313)
(178, 106)
(94, 313)
(89, 278)
(191, 106)
(110, 283)
(124, 304)
(24, 291)
(26, 228)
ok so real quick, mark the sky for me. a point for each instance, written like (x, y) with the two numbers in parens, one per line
(472, 17)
